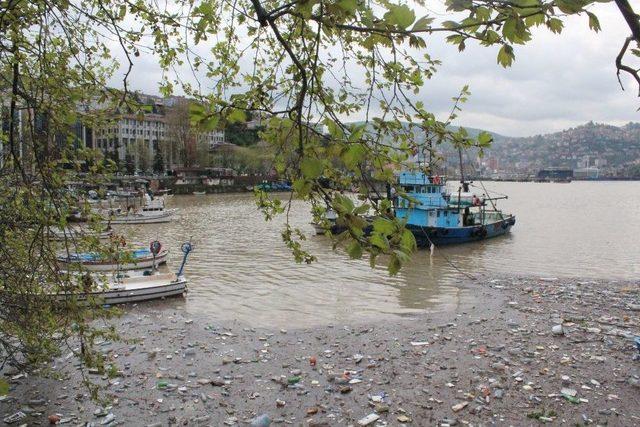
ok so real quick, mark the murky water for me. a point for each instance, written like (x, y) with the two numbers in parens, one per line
(240, 268)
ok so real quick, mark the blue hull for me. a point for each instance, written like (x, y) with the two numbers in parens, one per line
(448, 235)
(456, 235)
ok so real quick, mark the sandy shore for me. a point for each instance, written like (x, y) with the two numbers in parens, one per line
(495, 362)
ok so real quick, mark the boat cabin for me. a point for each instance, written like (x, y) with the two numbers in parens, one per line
(426, 202)
(153, 205)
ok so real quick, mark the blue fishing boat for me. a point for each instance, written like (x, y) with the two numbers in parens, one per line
(436, 216)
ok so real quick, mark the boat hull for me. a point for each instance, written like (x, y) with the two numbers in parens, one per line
(130, 293)
(141, 219)
(443, 235)
(456, 235)
(141, 263)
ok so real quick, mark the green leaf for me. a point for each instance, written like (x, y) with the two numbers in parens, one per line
(594, 23)
(348, 5)
(402, 256)
(459, 5)
(422, 23)
(408, 240)
(4, 387)
(484, 139)
(450, 24)
(354, 155)
(399, 15)
(355, 250)
(211, 123)
(375, 39)
(394, 265)
(196, 111)
(483, 14)
(356, 133)
(362, 209)
(237, 116)
(311, 168)
(537, 19)
(569, 6)
(334, 129)
(515, 31)
(555, 25)
(526, 3)
(302, 187)
(506, 56)
(379, 241)
(343, 203)
(384, 226)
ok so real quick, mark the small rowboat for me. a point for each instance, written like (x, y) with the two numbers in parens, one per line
(199, 193)
(139, 259)
(134, 289)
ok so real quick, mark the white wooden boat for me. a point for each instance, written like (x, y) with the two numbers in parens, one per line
(134, 289)
(153, 212)
(138, 288)
(199, 193)
(141, 259)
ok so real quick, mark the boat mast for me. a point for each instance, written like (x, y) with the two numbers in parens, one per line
(465, 185)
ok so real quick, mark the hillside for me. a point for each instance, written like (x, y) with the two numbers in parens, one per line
(614, 150)
(607, 147)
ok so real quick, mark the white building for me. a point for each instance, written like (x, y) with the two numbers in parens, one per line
(124, 131)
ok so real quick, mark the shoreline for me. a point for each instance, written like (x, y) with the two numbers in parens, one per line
(494, 360)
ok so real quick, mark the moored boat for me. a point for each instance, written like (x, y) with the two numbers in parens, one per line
(135, 289)
(433, 219)
(153, 212)
(134, 259)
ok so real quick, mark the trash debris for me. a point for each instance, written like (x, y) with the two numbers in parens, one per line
(261, 421)
(294, 380)
(459, 406)
(369, 419)
(15, 417)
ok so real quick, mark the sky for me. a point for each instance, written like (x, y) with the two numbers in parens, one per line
(556, 82)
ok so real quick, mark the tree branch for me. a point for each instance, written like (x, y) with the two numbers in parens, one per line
(630, 16)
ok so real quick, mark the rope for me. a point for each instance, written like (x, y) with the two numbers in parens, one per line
(455, 267)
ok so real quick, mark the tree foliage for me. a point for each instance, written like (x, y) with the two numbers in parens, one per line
(316, 63)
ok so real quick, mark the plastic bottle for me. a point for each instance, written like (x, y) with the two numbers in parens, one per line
(261, 421)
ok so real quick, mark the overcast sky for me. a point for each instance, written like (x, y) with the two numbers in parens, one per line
(557, 81)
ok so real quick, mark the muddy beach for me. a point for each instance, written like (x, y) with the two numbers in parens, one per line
(525, 352)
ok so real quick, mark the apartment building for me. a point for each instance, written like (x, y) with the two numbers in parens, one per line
(125, 133)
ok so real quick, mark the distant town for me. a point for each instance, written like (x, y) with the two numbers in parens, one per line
(590, 151)
(161, 140)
